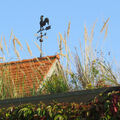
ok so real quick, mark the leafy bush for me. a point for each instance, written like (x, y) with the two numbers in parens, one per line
(103, 107)
(55, 84)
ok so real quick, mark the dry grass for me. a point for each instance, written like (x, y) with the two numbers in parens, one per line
(18, 42)
(104, 26)
(60, 45)
(14, 44)
(1, 47)
(38, 47)
(17, 54)
(89, 69)
(68, 31)
(106, 32)
(6, 46)
(29, 50)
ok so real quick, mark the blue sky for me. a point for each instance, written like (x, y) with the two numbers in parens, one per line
(23, 18)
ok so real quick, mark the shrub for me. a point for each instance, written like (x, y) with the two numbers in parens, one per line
(55, 84)
(103, 107)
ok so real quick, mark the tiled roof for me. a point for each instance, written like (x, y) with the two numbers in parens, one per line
(26, 74)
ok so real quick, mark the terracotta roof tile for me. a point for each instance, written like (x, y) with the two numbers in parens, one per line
(25, 74)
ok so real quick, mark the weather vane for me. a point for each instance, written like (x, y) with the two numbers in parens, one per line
(43, 27)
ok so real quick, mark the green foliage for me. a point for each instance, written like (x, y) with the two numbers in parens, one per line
(55, 84)
(104, 107)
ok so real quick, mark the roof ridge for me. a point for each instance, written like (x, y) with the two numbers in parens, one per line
(29, 60)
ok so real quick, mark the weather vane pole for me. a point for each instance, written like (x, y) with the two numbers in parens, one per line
(43, 28)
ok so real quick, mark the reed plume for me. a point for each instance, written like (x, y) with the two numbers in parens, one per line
(17, 54)
(104, 25)
(1, 47)
(29, 50)
(6, 46)
(68, 30)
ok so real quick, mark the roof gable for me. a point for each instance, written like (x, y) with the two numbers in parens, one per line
(25, 75)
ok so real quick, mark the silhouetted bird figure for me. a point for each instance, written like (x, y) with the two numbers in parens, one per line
(43, 22)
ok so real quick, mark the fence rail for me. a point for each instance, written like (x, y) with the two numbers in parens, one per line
(84, 96)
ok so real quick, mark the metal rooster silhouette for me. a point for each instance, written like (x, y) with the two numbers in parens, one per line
(43, 22)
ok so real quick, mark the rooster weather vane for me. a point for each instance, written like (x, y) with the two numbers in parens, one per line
(43, 23)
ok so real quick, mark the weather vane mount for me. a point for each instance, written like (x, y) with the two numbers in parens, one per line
(44, 26)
